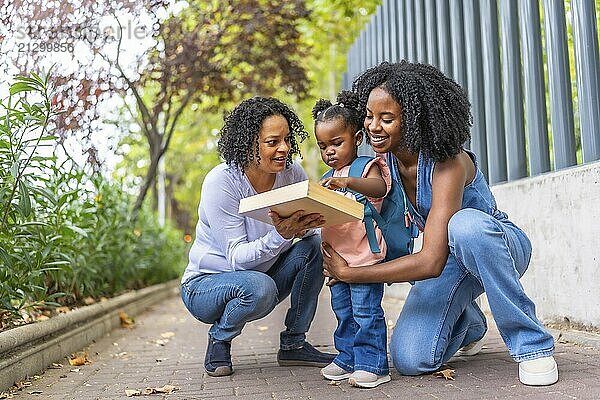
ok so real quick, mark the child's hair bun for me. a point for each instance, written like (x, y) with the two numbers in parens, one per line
(320, 106)
(347, 98)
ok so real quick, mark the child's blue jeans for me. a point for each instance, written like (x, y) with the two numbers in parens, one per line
(361, 336)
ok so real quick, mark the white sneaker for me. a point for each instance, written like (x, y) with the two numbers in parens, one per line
(334, 372)
(472, 348)
(366, 379)
(538, 372)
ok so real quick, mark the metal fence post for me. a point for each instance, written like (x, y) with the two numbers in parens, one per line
(534, 88)
(411, 43)
(585, 40)
(513, 96)
(494, 122)
(443, 37)
(420, 33)
(431, 32)
(457, 35)
(475, 81)
(559, 84)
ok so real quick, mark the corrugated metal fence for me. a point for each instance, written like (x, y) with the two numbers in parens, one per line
(512, 57)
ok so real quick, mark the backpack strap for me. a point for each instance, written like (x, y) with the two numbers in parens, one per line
(327, 174)
(370, 213)
(358, 166)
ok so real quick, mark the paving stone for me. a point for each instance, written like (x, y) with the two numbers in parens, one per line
(167, 346)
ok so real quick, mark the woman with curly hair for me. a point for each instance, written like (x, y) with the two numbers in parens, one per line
(240, 268)
(422, 119)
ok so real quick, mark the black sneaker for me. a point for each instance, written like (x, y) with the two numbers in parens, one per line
(306, 355)
(218, 358)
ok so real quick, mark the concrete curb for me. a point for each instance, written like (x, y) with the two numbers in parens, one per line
(31, 348)
(582, 338)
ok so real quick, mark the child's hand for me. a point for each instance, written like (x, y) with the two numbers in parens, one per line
(335, 183)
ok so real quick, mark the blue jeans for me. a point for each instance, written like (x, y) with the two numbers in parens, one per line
(440, 315)
(229, 300)
(360, 336)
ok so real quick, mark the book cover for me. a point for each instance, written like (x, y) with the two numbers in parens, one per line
(308, 196)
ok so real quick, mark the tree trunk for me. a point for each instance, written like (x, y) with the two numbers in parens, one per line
(148, 182)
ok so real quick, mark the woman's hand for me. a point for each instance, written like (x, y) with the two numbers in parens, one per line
(334, 265)
(296, 224)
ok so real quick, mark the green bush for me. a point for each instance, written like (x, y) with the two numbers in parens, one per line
(65, 234)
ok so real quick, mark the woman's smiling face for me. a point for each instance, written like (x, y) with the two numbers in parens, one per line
(383, 122)
(273, 144)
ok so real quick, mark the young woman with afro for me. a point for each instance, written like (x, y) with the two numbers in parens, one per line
(422, 120)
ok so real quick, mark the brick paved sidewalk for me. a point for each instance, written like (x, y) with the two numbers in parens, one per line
(167, 347)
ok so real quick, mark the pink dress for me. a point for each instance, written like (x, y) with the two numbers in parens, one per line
(350, 239)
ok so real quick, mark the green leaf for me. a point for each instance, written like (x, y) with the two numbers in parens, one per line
(50, 137)
(43, 192)
(56, 263)
(14, 169)
(77, 230)
(26, 79)
(56, 295)
(24, 200)
(37, 78)
(36, 223)
(20, 87)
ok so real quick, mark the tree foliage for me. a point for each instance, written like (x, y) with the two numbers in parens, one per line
(211, 54)
(326, 35)
(204, 57)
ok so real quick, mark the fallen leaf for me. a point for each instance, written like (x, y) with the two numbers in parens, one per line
(130, 392)
(62, 310)
(159, 342)
(166, 389)
(167, 335)
(126, 320)
(75, 370)
(120, 355)
(79, 359)
(335, 383)
(22, 384)
(42, 317)
(35, 392)
(89, 301)
(447, 374)
(56, 366)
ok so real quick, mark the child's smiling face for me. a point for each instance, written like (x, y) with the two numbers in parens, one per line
(338, 142)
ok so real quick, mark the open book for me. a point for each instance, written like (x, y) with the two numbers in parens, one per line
(308, 196)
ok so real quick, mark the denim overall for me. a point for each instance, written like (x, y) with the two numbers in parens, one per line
(487, 253)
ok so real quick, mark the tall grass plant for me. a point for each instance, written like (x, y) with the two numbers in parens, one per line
(66, 234)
